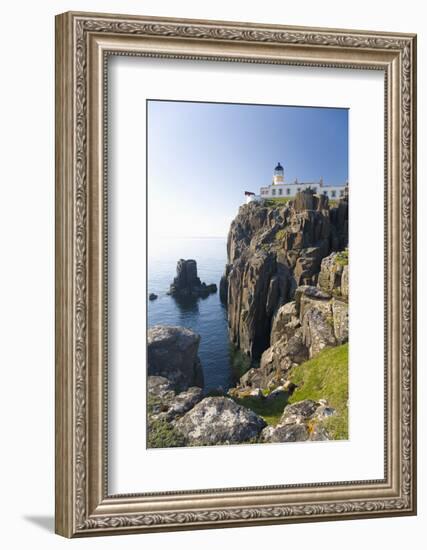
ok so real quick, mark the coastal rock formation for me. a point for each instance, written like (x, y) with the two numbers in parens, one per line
(219, 420)
(164, 403)
(301, 421)
(273, 250)
(172, 354)
(333, 275)
(300, 330)
(187, 283)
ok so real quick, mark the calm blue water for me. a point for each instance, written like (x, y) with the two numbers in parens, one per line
(206, 316)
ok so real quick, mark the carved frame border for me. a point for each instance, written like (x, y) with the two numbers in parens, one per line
(83, 43)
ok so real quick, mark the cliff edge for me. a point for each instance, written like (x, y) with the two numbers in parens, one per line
(273, 249)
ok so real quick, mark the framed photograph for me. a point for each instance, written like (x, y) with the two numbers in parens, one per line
(235, 274)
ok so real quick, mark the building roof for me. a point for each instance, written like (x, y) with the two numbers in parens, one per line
(278, 167)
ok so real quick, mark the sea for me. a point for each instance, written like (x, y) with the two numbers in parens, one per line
(206, 316)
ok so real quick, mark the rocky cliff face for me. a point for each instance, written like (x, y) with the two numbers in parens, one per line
(172, 353)
(271, 252)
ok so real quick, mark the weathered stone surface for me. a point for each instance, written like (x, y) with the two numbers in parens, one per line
(219, 420)
(271, 251)
(330, 274)
(172, 353)
(248, 318)
(285, 322)
(285, 433)
(318, 330)
(340, 319)
(306, 296)
(307, 265)
(324, 411)
(182, 403)
(319, 433)
(160, 387)
(164, 403)
(344, 282)
(299, 412)
(187, 283)
(285, 353)
(300, 421)
(276, 362)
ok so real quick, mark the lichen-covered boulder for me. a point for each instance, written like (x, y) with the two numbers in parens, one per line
(285, 433)
(172, 353)
(164, 403)
(219, 420)
(299, 412)
(301, 421)
(159, 387)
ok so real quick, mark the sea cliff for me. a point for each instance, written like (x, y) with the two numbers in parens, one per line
(285, 287)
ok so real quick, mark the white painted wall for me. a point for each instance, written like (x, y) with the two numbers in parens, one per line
(291, 189)
(27, 275)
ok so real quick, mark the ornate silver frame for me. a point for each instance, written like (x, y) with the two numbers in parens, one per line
(83, 42)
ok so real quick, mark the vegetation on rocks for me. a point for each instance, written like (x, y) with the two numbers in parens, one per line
(342, 257)
(276, 201)
(326, 377)
(162, 434)
(269, 409)
(285, 289)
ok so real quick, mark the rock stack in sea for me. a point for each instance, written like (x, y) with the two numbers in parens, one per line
(187, 283)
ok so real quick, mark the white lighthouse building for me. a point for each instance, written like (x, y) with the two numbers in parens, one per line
(279, 188)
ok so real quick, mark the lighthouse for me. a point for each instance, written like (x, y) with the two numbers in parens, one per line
(278, 175)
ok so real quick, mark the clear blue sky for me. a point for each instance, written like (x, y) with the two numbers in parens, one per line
(202, 157)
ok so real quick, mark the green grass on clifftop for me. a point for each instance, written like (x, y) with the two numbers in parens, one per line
(326, 377)
(279, 201)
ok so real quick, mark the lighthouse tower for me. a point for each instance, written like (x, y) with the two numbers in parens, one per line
(278, 175)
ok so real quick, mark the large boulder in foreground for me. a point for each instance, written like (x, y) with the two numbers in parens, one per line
(219, 420)
(172, 353)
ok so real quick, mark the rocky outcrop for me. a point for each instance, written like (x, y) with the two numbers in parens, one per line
(172, 354)
(333, 275)
(301, 421)
(271, 252)
(301, 329)
(164, 403)
(219, 421)
(187, 283)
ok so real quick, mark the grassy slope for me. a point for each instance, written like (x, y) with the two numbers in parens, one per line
(270, 409)
(326, 377)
